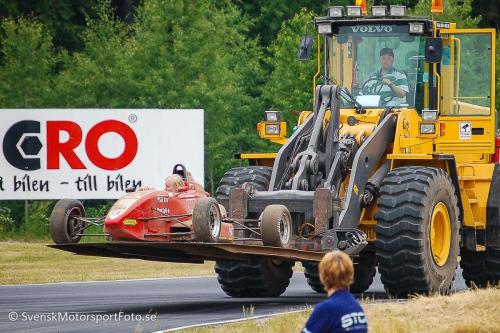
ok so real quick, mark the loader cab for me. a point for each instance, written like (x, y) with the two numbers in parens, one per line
(448, 75)
(438, 66)
(360, 53)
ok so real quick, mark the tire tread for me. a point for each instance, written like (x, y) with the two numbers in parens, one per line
(400, 229)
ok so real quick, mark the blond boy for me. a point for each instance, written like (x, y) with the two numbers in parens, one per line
(340, 312)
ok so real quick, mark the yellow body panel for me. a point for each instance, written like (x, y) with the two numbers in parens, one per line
(262, 159)
(408, 139)
(258, 155)
(474, 181)
(279, 138)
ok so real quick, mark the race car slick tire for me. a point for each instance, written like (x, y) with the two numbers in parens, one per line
(417, 231)
(276, 226)
(255, 278)
(207, 220)
(64, 222)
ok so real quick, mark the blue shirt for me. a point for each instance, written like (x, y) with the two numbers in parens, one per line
(341, 312)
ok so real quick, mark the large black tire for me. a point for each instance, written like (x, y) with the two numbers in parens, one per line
(259, 278)
(480, 269)
(63, 225)
(364, 271)
(235, 177)
(312, 276)
(409, 197)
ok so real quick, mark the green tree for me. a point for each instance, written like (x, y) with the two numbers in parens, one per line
(198, 56)
(488, 11)
(459, 11)
(64, 19)
(28, 61)
(100, 75)
(6, 220)
(268, 16)
(290, 86)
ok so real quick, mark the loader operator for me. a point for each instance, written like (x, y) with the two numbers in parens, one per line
(341, 312)
(388, 82)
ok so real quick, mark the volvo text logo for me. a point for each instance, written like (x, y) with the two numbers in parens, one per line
(372, 28)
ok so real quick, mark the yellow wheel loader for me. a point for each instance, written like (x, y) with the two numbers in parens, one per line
(396, 164)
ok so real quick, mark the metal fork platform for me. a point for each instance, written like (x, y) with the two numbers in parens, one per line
(187, 252)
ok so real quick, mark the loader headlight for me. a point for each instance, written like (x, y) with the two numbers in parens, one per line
(397, 10)
(273, 116)
(427, 128)
(325, 28)
(429, 115)
(379, 10)
(336, 11)
(354, 11)
(416, 28)
(272, 129)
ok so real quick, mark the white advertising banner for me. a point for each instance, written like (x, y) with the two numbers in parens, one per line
(95, 153)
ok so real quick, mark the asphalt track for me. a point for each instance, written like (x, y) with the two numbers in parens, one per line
(175, 302)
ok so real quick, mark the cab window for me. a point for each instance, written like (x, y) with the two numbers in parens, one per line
(466, 74)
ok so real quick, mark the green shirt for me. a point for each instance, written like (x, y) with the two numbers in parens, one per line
(398, 78)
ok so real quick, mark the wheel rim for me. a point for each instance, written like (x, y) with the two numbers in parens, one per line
(284, 227)
(215, 221)
(440, 234)
(75, 225)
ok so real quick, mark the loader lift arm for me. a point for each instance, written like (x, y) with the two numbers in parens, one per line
(307, 174)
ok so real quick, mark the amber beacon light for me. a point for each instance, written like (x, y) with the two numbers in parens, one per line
(362, 4)
(437, 6)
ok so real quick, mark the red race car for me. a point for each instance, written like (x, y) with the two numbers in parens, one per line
(148, 215)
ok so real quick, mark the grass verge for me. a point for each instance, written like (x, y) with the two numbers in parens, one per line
(472, 311)
(22, 263)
